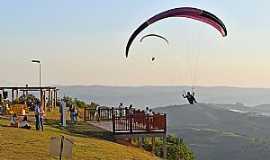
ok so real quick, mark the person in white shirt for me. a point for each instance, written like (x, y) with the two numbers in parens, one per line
(147, 110)
(24, 123)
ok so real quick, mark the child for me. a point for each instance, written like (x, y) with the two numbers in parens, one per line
(13, 121)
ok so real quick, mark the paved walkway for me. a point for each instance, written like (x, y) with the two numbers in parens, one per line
(105, 125)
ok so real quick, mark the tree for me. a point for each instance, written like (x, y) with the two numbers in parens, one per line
(79, 103)
(176, 149)
(68, 100)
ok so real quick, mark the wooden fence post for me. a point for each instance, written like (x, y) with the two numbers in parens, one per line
(98, 114)
(112, 112)
(84, 114)
(147, 122)
(108, 114)
(153, 144)
(164, 146)
(165, 123)
(113, 121)
(130, 123)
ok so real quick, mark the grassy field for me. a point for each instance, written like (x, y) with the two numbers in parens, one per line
(18, 143)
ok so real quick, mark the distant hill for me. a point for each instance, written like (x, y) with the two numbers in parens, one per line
(166, 95)
(219, 132)
(229, 123)
(263, 108)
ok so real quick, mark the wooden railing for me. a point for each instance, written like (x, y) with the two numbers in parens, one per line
(89, 114)
(139, 123)
(128, 121)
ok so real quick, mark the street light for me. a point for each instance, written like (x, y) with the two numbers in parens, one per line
(38, 61)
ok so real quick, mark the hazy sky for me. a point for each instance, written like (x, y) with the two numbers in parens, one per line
(83, 42)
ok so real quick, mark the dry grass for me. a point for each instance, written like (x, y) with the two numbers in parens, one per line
(22, 144)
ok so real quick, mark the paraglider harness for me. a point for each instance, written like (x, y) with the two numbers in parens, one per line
(190, 97)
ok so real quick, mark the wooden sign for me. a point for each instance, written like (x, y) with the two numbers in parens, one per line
(61, 146)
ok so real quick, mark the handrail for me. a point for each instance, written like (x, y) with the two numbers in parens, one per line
(125, 120)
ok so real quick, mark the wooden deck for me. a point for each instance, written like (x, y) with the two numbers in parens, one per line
(126, 121)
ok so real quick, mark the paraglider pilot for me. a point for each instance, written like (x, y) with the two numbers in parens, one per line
(190, 97)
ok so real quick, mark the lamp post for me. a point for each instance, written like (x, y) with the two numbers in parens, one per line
(41, 94)
(38, 61)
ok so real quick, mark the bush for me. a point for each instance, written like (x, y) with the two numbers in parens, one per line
(176, 149)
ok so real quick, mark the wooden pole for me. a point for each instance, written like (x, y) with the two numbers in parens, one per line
(1, 97)
(153, 144)
(130, 123)
(17, 93)
(12, 95)
(54, 98)
(164, 147)
(140, 142)
(98, 114)
(49, 98)
(84, 114)
(113, 121)
(165, 123)
(56, 94)
(26, 86)
(51, 95)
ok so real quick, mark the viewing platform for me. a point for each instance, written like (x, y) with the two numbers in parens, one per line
(126, 121)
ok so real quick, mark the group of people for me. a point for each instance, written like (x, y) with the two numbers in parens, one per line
(14, 122)
(39, 118)
(130, 110)
(149, 111)
(120, 112)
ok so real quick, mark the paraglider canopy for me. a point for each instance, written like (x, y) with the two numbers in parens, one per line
(154, 35)
(187, 12)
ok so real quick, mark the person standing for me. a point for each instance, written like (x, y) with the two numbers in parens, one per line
(130, 110)
(42, 116)
(71, 114)
(147, 111)
(37, 115)
(120, 111)
(75, 115)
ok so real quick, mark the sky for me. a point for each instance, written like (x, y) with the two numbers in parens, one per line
(83, 43)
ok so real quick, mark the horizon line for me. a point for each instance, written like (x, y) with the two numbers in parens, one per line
(139, 86)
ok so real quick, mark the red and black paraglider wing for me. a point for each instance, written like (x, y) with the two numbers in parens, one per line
(187, 12)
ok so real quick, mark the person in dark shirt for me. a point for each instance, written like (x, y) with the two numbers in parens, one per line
(190, 97)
